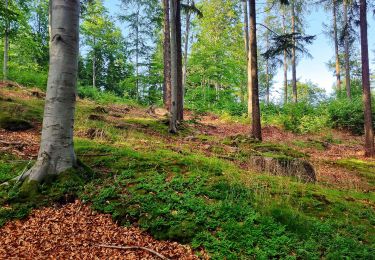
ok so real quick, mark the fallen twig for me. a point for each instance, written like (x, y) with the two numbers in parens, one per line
(135, 247)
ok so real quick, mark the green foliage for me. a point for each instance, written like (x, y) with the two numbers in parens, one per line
(348, 114)
(298, 118)
(105, 97)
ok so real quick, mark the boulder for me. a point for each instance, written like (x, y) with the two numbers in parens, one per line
(292, 167)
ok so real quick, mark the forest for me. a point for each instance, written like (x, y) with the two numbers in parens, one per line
(187, 129)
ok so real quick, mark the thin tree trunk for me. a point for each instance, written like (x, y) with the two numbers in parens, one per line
(285, 65)
(256, 124)
(369, 134)
(56, 153)
(338, 76)
(180, 87)
(137, 55)
(167, 58)
(267, 74)
(294, 65)
(174, 69)
(347, 54)
(94, 66)
(6, 47)
(186, 47)
(247, 48)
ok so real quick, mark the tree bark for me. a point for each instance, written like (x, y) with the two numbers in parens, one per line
(56, 153)
(167, 58)
(267, 74)
(347, 54)
(369, 134)
(180, 87)
(6, 47)
(137, 55)
(186, 47)
(294, 65)
(247, 48)
(285, 65)
(256, 124)
(94, 66)
(174, 67)
(338, 76)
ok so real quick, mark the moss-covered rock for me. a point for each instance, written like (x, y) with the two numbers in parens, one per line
(14, 124)
(283, 166)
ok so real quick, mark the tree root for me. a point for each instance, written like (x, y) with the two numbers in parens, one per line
(135, 247)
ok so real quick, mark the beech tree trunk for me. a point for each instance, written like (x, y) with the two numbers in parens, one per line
(6, 47)
(94, 66)
(294, 58)
(174, 67)
(369, 134)
(56, 153)
(180, 87)
(347, 54)
(167, 58)
(338, 76)
(256, 131)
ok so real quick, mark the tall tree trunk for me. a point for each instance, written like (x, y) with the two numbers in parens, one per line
(186, 47)
(267, 74)
(338, 76)
(347, 54)
(167, 58)
(256, 131)
(247, 48)
(369, 134)
(174, 69)
(6, 47)
(294, 65)
(56, 153)
(137, 55)
(285, 65)
(180, 87)
(94, 65)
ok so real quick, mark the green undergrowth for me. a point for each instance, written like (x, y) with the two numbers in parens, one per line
(364, 169)
(183, 195)
(233, 214)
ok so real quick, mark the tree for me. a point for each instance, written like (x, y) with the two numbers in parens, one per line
(256, 128)
(6, 46)
(336, 43)
(174, 67)
(346, 49)
(369, 132)
(56, 153)
(167, 57)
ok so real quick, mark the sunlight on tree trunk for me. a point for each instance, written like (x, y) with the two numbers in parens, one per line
(167, 58)
(369, 134)
(56, 153)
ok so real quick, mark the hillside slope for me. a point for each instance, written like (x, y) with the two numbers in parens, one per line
(199, 187)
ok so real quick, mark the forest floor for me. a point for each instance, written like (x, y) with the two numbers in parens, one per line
(197, 187)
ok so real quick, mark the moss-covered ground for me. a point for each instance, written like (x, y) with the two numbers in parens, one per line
(195, 190)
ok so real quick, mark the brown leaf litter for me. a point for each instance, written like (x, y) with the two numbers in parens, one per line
(75, 231)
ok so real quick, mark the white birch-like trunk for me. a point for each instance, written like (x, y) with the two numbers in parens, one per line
(56, 153)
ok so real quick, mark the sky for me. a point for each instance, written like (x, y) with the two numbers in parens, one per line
(322, 50)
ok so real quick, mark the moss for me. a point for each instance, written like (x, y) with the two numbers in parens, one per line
(14, 124)
(29, 190)
(364, 168)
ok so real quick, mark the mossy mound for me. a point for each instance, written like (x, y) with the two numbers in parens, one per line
(14, 124)
(298, 168)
